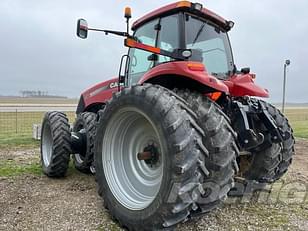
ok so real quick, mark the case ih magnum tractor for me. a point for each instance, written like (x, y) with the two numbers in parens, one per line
(168, 137)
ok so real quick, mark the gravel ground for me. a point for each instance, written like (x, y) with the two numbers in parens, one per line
(35, 202)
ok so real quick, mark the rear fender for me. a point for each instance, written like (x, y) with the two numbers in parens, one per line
(173, 74)
(244, 85)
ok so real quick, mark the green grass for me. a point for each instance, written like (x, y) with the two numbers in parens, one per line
(300, 128)
(11, 168)
(12, 123)
(298, 119)
(16, 128)
(18, 141)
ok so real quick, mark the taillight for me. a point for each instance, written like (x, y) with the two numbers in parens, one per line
(215, 95)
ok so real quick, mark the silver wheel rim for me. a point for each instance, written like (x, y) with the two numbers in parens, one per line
(47, 145)
(78, 158)
(134, 183)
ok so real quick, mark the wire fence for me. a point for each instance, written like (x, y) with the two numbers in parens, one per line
(20, 119)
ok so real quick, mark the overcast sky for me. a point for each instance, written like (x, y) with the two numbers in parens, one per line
(40, 50)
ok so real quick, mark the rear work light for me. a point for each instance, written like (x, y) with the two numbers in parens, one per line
(197, 6)
(184, 4)
(231, 24)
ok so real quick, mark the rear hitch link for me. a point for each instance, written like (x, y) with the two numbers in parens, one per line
(247, 137)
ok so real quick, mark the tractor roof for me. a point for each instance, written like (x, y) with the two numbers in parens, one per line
(184, 6)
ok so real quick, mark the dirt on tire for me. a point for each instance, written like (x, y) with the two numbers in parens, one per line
(36, 202)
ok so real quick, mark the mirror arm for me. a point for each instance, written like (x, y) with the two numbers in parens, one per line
(119, 33)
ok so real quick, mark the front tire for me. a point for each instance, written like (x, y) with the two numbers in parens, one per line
(55, 144)
(155, 193)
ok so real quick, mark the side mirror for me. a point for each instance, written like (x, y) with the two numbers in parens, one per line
(82, 28)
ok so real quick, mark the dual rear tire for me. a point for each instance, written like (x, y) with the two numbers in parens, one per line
(56, 143)
(85, 124)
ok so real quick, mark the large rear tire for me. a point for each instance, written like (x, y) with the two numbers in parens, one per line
(86, 125)
(219, 139)
(55, 144)
(155, 193)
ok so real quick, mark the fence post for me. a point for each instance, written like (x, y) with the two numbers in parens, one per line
(16, 121)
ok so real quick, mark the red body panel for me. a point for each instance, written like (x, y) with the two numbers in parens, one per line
(181, 68)
(243, 85)
(237, 85)
(100, 92)
(171, 7)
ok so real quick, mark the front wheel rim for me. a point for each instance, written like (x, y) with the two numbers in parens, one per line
(134, 183)
(47, 145)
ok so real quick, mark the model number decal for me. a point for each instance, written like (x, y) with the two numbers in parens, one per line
(99, 90)
(115, 84)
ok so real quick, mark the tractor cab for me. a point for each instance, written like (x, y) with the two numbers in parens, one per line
(181, 31)
(182, 34)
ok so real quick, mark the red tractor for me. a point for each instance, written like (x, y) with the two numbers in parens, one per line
(167, 138)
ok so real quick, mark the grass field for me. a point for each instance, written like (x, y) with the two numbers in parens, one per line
(16, 128)
(9, 168)
(12, 123)
(298, 118)
(20, 100)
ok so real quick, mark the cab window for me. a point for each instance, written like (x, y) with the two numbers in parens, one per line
(168, 37)
(139, 63)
